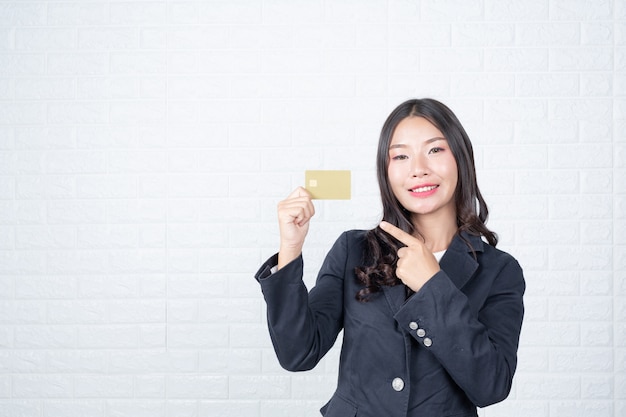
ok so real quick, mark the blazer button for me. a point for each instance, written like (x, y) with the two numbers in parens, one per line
(421, 332)
(413, 325)
(428, 342)
(397, 384)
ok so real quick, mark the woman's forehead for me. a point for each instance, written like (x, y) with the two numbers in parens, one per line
(412, 129)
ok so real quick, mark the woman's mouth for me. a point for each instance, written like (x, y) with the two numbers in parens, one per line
(423, 189)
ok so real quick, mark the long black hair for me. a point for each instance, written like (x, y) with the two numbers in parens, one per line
(471, 210)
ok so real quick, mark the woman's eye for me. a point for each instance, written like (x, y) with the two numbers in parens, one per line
(399, 157)
(435, 150)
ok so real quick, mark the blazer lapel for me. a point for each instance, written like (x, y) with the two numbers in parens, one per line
(458, 262)
(396, 296)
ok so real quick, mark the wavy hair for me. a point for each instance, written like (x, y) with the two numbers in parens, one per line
(380, 256)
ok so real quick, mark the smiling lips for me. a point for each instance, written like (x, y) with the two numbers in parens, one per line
(424, 190)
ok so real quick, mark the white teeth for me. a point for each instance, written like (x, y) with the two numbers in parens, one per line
(424, 189)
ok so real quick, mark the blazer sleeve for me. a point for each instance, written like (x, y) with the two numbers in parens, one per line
(304, 325)
(479, 351)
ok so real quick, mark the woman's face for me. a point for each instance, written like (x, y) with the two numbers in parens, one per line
(422, 171)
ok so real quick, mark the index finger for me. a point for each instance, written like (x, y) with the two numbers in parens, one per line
(398, 233)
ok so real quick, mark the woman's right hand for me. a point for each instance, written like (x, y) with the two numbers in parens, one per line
(294, 214)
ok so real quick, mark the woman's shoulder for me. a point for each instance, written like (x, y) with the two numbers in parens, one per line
(483, 250)
(497, 252)
(356, 234)
(498, 256)
(352, 241)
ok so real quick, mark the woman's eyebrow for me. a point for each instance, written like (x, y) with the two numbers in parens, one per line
(397, 145)
(427, 141)
(435, 139)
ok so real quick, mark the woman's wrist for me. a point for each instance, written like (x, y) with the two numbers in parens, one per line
(287, 255)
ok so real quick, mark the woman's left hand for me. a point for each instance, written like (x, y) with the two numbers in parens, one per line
(416, 263)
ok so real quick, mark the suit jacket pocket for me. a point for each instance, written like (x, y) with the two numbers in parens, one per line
(338, 407)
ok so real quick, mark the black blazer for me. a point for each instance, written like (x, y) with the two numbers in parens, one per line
(446, 349)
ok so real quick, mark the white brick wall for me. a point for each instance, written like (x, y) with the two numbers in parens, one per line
(144, 145)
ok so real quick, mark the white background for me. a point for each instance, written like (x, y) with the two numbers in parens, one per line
(144, 146)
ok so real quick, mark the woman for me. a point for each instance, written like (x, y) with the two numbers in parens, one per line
(431, 310)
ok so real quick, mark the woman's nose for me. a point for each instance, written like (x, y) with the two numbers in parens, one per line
(419, 167)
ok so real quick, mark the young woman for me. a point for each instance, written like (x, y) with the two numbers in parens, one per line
(431, 311)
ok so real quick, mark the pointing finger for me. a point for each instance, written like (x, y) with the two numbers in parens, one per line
(399, 234)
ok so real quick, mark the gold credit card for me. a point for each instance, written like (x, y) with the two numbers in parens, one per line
(328, 185)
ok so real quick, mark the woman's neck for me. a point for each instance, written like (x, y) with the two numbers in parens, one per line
(436, 232)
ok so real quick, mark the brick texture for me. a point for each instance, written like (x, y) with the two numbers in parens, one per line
(144, 145)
